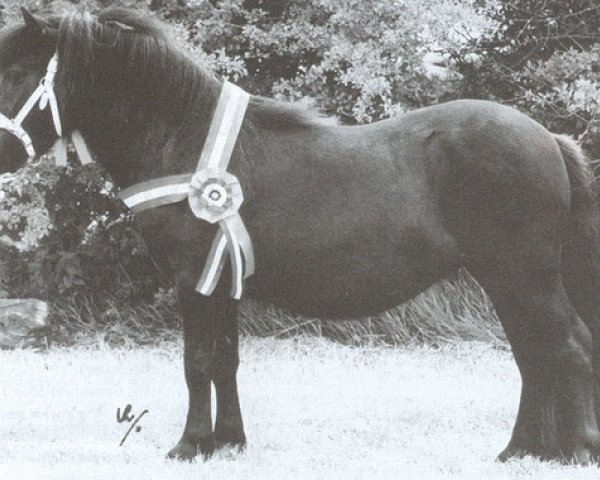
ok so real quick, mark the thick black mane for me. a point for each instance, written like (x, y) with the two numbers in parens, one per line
(129, 20)
(150, 77)
(128, 58)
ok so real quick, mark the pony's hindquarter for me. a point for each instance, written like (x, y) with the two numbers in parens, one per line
(518, 261)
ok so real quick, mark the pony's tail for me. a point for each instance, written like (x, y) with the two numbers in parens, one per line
(580, 264)
(581, 250)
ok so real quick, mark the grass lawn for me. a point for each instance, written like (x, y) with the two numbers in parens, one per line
(313, 410)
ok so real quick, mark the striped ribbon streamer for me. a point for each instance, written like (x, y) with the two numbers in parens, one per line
(156, 193)
(215, 157)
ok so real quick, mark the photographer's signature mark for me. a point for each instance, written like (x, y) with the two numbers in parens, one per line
(126, 417)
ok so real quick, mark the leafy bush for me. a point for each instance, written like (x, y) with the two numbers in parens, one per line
(542, 57)
(70, 236)
(360, 61)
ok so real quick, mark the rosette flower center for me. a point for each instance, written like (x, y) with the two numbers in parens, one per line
(214, 195)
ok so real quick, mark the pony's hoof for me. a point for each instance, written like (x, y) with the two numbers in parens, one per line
(579, 456)
(188, 451)
(237, 443)
(512, 453)
(233, 438)
(583, 456)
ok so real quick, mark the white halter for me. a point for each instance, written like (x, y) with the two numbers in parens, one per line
(44, 93)
(46, 96)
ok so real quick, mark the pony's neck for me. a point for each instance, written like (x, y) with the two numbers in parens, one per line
(144, 107)
(139, 128)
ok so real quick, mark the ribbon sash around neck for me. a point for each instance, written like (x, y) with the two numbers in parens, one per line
(214, 195)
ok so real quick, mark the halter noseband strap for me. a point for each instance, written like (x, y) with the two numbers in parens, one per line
(44, 94)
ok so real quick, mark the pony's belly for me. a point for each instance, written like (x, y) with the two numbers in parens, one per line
(361, 276)
(355, 293)
(339, 307)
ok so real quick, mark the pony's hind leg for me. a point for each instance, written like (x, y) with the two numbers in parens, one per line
(553, 350)
(580, 266)
(581, 274)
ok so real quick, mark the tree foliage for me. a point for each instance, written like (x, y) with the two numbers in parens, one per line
(541, 57)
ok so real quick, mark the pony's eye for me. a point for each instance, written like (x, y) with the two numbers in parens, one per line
(14, 77)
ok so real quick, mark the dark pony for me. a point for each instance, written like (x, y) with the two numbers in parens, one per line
(345, 221)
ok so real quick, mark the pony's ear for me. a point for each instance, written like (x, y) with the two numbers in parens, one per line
(34, 24)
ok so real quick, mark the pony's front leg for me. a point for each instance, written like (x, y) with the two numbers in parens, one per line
(202, 325)
(229, 429)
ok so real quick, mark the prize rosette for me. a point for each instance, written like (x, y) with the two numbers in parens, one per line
(214, 195)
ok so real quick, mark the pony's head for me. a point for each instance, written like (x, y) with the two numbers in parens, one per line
(120, 80)
(25, 52)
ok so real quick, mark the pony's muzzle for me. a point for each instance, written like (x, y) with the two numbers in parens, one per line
(19, 132)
